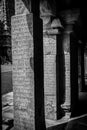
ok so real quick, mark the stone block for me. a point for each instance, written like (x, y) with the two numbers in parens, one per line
(50, 76)
(22, 50)
(24, 86)
(67, 81)
(20, 7)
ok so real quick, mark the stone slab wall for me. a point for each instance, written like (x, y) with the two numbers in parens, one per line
(1, 10)
(20, 7)
(50, 76)
(67, 79)
(49, 67)
(22, 72)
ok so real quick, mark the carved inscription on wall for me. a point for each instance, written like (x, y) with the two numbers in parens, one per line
(23, 75)
(50, 76)
(20, 7)
(67, 80)
(1, 10)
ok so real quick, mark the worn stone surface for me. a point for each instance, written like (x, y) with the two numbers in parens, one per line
(1, 10)
(20, 7)
(67, 79)
(66, 45)
(23, 75)
(50, 76)
(86, 70)
(23, 68)
(49, 63)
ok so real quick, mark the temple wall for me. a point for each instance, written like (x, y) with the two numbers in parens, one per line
(49, 43)
(1, 10)
(20, 7)
(22, 73)
(50, 76)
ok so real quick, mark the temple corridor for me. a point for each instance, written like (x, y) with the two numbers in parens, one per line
(43, 53)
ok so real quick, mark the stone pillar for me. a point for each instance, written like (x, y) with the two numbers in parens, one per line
(0, 98)
(50, 67)
(71, 71)
(27, 55)
(82, 68)
(85, 67)
(66, 46)
(20, 7)
(74, 74)
(79, 65)
(60, 75)
(50, 75)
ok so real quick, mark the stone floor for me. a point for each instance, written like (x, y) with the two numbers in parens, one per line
(8, 117)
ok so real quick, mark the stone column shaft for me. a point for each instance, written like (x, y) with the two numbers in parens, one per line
(82, 68)
(50, 75)
(27, 55)
(74, 74)
(60, 75)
